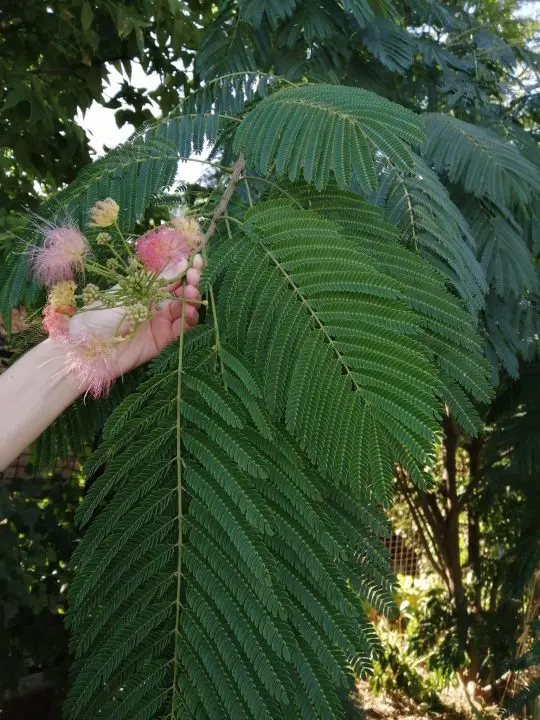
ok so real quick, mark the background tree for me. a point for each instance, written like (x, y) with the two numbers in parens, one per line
(55, 61)
(381, 247)
(489, 562)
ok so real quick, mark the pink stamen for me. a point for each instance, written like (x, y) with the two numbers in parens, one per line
(62, 253)
(163, 246)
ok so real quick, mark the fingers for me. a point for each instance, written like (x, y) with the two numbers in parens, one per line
(198, 262)
(190, 292)
(188, 323)
(191, 313)
(193, 277)
(172, 271)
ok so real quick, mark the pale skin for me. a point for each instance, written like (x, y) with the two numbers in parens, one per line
(35, 390)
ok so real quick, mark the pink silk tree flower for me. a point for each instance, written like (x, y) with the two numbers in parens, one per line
(189, 227)
(92, 361)
(56, 321)
(160, 247)
(62, 253)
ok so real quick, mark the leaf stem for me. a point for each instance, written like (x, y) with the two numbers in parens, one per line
(116, 254)
(216, 328)
(277, 187)
(248, 192)
(123, 239)
(219, 211)
(179, 509)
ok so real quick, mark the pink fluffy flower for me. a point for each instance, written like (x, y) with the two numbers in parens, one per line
(56, 321)
(62, 253)
(163, 246)
(91, 359)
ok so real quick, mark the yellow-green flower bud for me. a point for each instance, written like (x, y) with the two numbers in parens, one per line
(90, 293)
(103, 238)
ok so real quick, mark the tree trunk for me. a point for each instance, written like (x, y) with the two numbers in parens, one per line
(475, 560)
(452, 506)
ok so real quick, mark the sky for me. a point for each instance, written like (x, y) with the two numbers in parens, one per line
(101, 126)
(530, 9)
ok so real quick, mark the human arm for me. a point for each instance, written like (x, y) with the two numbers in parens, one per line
(36, 389)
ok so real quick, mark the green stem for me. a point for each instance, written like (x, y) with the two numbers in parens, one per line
(276, 187)
(179, 509)
(248, 192)
(196, 302)
(119, 325)
(123, 239)
(216, 328)
(117, 254)
(101, 270)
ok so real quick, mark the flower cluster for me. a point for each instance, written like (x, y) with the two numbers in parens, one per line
(133, 270)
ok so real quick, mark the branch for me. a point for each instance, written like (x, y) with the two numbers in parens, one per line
(69, 68)
(435, 519)
(221, 207)
(421, 526)
(474, 449)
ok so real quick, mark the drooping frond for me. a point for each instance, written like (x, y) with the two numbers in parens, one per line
(421, 288)
(364, 10)
(16, 285)
(275, 10)
(130, 174)
(226, 46)
(491, 46)
(370, 320)
(505, 258)
(390, 44)
(319, 129)
(432, 225)
(480, 161)
(263, 620)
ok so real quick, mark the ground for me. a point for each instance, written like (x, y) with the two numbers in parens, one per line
(394, 706)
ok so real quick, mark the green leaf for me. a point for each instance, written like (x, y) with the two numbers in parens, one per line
(483, 163)
(324, 128)
(87, 16)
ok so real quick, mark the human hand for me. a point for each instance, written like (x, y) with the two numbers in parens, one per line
(154, 334)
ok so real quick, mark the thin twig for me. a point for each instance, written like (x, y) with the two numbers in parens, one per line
(219, 210)
(221, 207)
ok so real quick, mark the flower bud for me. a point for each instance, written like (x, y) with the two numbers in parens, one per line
(90, 293)
(104, 213)
(103, 238)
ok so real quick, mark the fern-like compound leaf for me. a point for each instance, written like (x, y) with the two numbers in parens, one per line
(270, 621)
(483, 163)
(319, 129)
